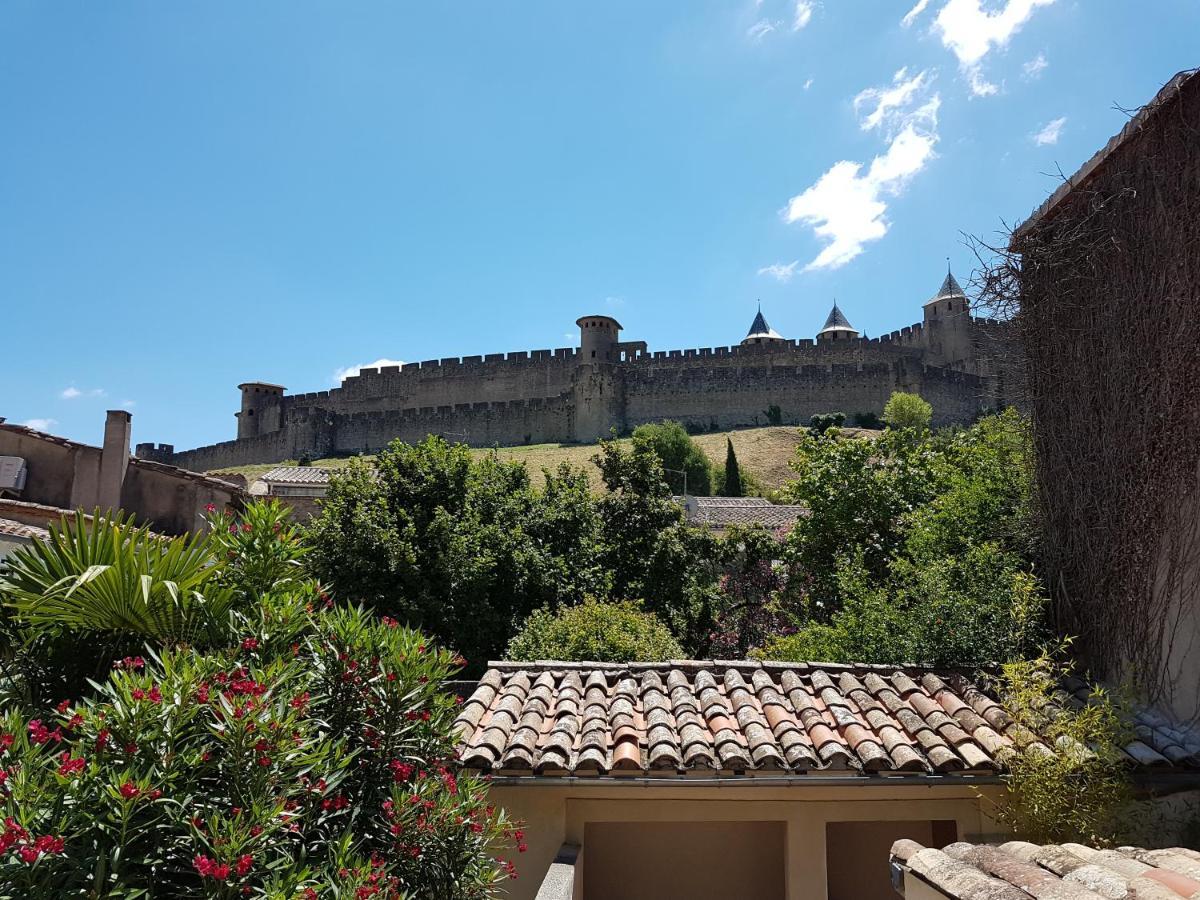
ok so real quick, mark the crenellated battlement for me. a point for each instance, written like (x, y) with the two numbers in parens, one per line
(578, 394)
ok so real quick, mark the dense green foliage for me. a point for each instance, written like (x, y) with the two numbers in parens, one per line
(822, 422)
(594, 631)
(918, 547)
(907, 411)
(731, 486)
(456, 546)
(302, 749)
(466, 549)
(686, 467)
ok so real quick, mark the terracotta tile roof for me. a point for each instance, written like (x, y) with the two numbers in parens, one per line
(13, 528)
(1019, 870)
(695, 716)
(724, 512)
(297, 475)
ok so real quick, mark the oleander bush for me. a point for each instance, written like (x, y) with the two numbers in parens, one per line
(307, 753)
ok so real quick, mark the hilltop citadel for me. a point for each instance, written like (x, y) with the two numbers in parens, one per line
(581, 394)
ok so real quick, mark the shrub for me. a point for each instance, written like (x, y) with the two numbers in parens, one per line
(677, 453)
(907, 411)
(1081, 790)
(596, 632)
(773, 414)
(820, 424)
(867, 420)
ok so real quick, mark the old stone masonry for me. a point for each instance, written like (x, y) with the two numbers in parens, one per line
(583, 394)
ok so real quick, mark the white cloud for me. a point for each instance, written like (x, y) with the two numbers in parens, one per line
(760, 29)
(73, 393)
(128, 404)
(808, 84)
(1035, 66)
(804, 14)
(972, 32)
(846, 206)
(1050, 132)
(614, 302)
(342, 374)
(911, 15)
(781, 272)
(891, 104)
(40, 424)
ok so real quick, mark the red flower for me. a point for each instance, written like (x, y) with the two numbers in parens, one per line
(155, 695)
(70, 766)
(250, 644)
(246, 528)
(48, 843)
(210, 508)
(138, 694)
(129, 790)
(244, 864)
(28, 854)
(64, 706)
(102, 739)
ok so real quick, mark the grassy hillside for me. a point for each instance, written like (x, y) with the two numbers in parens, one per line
(763, 451)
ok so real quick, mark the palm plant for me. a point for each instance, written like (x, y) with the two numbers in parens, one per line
(96, 589)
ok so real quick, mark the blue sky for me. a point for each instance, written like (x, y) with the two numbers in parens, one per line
(195, 195)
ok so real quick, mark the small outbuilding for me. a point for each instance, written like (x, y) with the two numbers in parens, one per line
(711, 779)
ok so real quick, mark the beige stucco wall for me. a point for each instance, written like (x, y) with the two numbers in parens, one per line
(557, 814)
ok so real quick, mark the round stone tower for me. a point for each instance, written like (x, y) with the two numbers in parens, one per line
(260, 408)
(948, 326)
(598, 339)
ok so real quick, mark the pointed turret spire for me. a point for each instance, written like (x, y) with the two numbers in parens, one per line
(760, 332)
(837, 326)
(950, 288)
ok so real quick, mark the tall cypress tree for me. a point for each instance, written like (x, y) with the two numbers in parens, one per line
(733, 475)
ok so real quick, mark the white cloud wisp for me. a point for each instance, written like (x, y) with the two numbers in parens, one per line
(847, 206)
(781, 272)
(971, 32)
(341, 375)
(1050, 132)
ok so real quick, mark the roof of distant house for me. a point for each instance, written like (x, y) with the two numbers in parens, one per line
(134, 461)
(297, 475)
(724, 512)
(1172, 89)
(689, 717)
(1018, 870)
(13, 528)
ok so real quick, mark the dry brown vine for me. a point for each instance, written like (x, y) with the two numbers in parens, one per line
(1104, 294)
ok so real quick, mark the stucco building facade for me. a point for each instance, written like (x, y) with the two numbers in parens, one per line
(581, 394)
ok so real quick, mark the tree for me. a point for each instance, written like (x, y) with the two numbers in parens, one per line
(733, 476)
(918, 547)
(677, 453)
(459, 547)
(595, 632)
(648, 550)
(907, 411)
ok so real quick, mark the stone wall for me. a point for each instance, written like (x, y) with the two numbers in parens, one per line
(555, 396)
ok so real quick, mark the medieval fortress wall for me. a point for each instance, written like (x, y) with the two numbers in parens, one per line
(581, 394)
